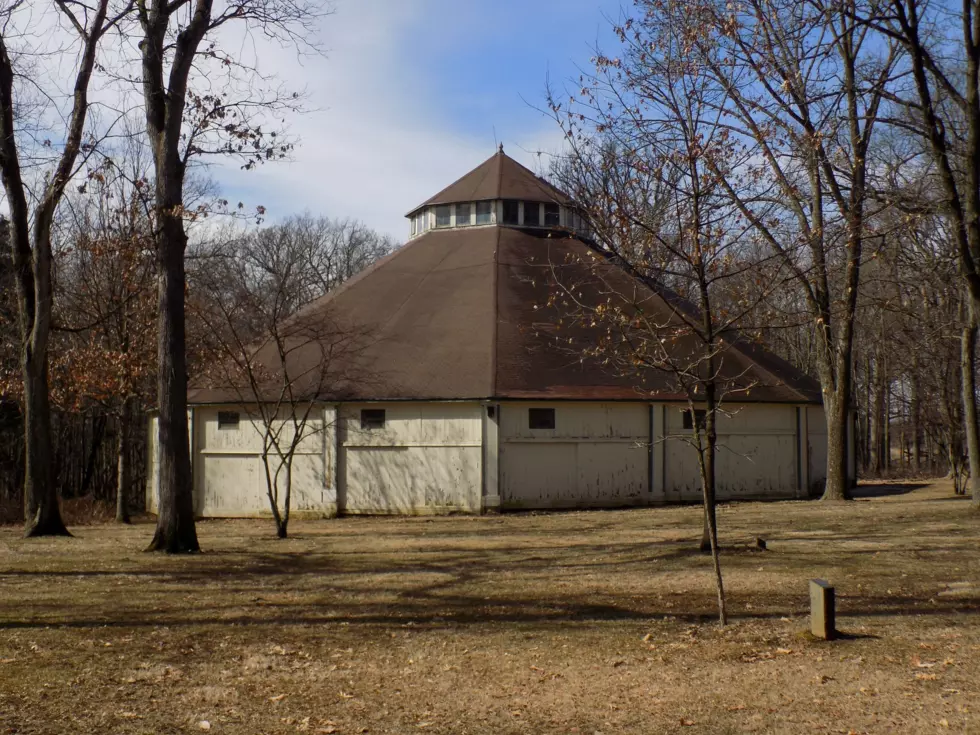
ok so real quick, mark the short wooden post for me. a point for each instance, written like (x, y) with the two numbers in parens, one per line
(822, 623)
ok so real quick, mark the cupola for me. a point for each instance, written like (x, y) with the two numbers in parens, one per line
(498, 192)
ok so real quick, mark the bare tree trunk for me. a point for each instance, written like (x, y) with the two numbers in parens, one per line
(886, 427)
(124, 477)
(708, 497)
(968, 351)
(32, 265)
(915, 411)
(175, 531)
(877, 413)
(289, 491)
(869, 402)
(835, 406)
(272, 489)
(42, 514)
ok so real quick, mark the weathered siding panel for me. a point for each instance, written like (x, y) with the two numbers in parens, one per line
(427, 458)
(757, 454)
(579, 421)
(230, 478)
(598, 454)
(818, 448)
(153, 465)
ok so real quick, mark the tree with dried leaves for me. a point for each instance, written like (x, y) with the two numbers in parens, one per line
(32, 213)
(107, 303)
(647, 142)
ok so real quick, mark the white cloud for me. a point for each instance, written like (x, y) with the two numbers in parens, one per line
(378, 142)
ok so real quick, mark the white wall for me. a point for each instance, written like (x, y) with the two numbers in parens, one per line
(598, 454)
(430, 457)
(757, 454)
(152, 468)
(229, 477)
(427, 458)
(817, 434)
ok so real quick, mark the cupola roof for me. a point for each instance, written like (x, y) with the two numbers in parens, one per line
(499, 177)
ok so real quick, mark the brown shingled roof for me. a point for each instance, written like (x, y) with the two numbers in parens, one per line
(452, 315)
(499, 177)
(462, 314)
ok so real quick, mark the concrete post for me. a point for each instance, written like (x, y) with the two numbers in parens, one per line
(822, 613)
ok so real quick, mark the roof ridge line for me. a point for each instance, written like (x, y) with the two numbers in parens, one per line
(675, 300)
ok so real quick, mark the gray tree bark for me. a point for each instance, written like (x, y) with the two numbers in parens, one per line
(968, 351)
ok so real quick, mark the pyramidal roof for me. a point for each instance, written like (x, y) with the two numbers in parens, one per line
(463, 314)
(499, 177)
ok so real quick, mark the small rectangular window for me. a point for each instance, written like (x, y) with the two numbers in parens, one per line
(511, 212)
(463, 214)
(443, 215)
(699, 416)
(541, 418)
(415, 226)
(372, 418)
(228, 419)
(552, 215)
(484, 214)
(532, 214)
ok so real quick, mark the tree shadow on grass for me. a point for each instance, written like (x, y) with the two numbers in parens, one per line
(886, 489)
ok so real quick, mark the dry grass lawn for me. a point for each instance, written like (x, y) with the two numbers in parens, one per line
(565, 623)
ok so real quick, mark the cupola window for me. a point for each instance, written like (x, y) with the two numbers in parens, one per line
(552, 215)
(484, 214)
(532, 214)
(464, 213)
(444, 216)
(511, 212)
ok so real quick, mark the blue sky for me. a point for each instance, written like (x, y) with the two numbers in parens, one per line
(411, 95)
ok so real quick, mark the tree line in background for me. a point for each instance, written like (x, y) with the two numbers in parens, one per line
(242, 280)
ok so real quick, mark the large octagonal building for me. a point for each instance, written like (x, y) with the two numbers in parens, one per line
(465, 406)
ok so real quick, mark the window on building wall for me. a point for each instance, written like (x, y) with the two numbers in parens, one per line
(444, 215)
(420, 223)
(228, 419)
(541, 418)
(415, 226)
(511, 212)
(484, 213)
(372, 418)
(532, 214)
(552, 215)
(699, 416)
(464, 214)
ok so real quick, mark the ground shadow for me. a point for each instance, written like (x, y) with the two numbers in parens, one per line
(886, 489)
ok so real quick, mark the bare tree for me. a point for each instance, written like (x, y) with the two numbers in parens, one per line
(178, 39)
(647, 141)
(804, 86)
(278, 364)
(315, 255)
(31, 216)
(943, 46)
